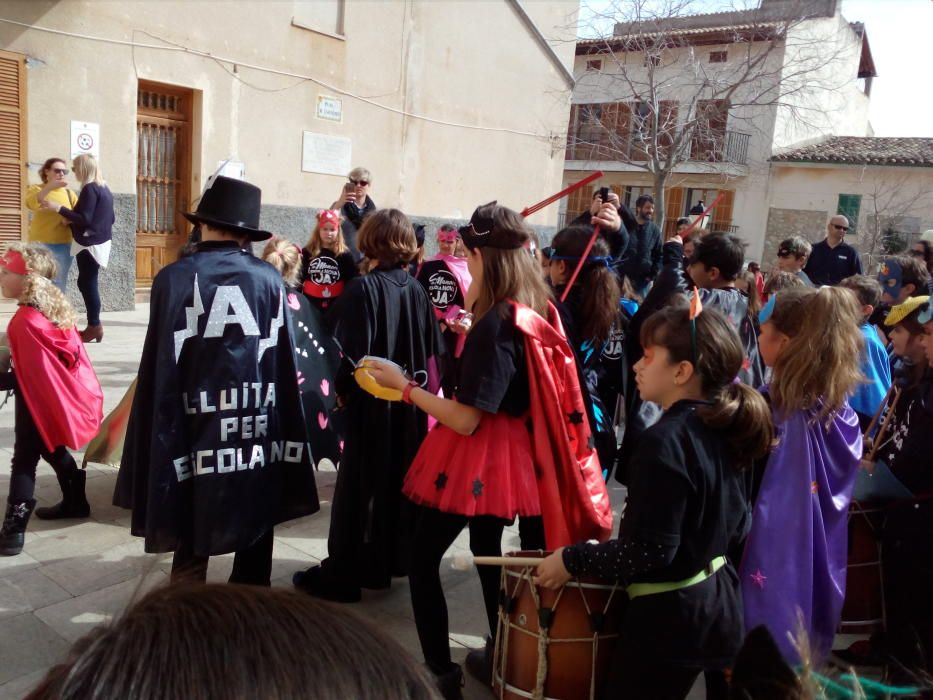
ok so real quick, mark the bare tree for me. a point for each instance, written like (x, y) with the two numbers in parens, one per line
(659, 99)
(894, 206)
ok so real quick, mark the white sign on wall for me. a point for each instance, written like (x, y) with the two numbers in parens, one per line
(85, 138)
(325, 154)
(329, 108)
(232, 168)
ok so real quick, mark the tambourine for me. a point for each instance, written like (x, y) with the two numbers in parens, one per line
(368, 384)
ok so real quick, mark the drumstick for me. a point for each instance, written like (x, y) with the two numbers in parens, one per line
(528, 211)
(883, 431)
(874, 419)
(463, 562)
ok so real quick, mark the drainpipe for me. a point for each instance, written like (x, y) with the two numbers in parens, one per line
(516, 5)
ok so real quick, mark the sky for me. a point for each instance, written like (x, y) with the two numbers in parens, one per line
(901, 44)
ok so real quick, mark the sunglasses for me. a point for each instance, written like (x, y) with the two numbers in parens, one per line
(785, 254)
(918, 253)
(60, 171)
(359, 183)
(840, 228)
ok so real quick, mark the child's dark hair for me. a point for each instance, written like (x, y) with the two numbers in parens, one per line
(737, 408)
(913, 272)
(205, 641)
(599, 286)
(723, 251)
(867, 289)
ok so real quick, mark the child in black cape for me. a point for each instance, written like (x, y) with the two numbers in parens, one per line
(316, 354)
(386, 313)
(687, 509)
(216, 450)
(595, 324)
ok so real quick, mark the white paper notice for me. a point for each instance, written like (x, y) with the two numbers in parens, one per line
(325, 154)
(85, 138)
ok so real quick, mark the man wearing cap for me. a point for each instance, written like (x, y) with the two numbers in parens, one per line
(832, 259)
(216, 448)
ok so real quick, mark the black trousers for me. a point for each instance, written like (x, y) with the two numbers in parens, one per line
(434, 533)
(251, 566)
(88, 272)
(632, 677)
(28, 447)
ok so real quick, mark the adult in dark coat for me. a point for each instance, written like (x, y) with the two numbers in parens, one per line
(355, 205)
(386, 314)
(216, 449)
(641, 261)
(612, 228)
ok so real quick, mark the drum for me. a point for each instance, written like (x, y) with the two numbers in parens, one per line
(863, 610)
(554, 645)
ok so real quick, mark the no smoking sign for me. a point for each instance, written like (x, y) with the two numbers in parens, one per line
(85, 138)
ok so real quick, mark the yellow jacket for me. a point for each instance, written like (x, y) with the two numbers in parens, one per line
(46, 226)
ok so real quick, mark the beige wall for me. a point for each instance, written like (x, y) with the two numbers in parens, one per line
(892, 191)
(457, 61)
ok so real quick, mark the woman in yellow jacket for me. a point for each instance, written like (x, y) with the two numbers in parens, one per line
(47, 226)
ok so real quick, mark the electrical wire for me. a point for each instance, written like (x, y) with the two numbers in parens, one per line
(275, 71)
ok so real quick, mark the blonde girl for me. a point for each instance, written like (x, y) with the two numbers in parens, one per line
(58, 397)
(794, 566)
(327, 263)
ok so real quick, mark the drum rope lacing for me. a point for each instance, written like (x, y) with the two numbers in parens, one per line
(545, 616)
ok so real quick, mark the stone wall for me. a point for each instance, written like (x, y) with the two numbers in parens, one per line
(784, 223)
(117, 283)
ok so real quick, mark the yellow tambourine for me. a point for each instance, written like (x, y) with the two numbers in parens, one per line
(371, 386)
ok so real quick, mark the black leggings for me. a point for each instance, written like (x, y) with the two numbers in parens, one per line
(434, 533)
(28, 447)
(88, 271)
(252, 565)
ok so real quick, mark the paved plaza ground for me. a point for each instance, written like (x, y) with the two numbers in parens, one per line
(73, 575)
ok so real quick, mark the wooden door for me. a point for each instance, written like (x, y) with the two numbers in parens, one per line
(12, 146)
(163, 176)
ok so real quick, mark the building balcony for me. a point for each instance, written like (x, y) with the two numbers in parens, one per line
(724, 147)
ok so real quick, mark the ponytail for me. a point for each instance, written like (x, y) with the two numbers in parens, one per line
(746, 417)
(600, 291)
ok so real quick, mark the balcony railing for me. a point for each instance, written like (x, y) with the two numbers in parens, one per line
(724, 147)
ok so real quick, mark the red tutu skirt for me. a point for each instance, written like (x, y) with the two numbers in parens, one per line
(490, 472)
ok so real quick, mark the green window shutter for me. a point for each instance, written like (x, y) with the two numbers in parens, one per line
(849, 206)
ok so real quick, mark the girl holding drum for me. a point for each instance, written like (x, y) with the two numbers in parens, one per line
(687, 509)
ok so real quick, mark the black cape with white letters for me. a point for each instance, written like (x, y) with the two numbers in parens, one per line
(196, 467)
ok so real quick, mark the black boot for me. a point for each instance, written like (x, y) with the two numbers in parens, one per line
(13, 534)
(74, 502)
(450, 683)
(479, 662)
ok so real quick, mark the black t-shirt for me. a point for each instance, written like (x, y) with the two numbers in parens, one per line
(686, 492)
(493, 375)
(832, 265)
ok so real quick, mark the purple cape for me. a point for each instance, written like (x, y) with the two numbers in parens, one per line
(795, 556)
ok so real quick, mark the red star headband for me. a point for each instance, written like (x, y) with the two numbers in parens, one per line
(328, 216)
(13, 261)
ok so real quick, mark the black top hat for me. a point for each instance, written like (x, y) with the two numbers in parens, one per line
(232, 205)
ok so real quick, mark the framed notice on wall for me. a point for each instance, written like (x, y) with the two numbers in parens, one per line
(85, 138)
(325, 154)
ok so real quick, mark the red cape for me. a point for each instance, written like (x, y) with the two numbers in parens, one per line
(56, 379)
(574, 500)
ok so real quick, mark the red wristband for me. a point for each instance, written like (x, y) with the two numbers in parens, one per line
(406, 392)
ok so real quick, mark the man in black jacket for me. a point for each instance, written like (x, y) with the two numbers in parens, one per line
(641, 261)
(354, 205)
